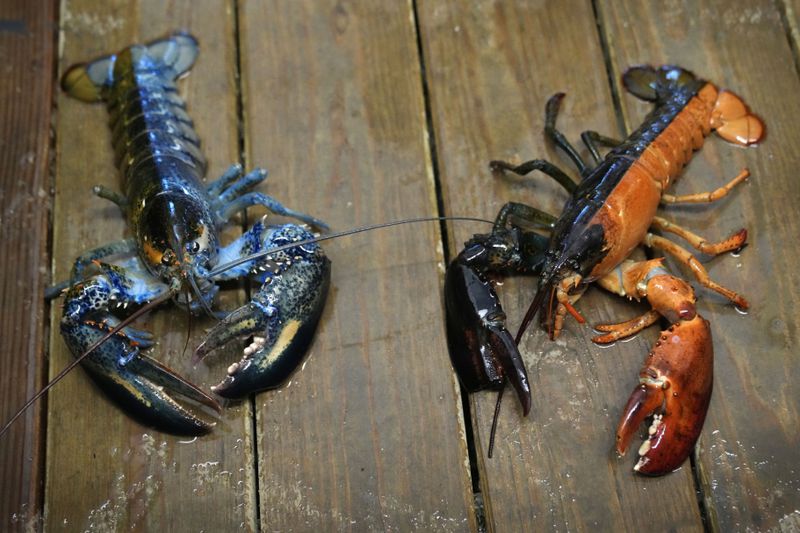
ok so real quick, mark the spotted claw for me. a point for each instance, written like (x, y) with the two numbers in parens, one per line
(282, 318)
(141, 386)
(675, 389)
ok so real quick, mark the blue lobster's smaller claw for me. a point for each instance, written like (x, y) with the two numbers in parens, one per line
(138, 384)
(282, 318)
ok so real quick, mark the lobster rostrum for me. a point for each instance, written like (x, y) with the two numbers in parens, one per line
(175, 220)
(611, 211)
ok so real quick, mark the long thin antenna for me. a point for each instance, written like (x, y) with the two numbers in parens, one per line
(220, 269)
(258, 255)
(139, 312)
(494, 420)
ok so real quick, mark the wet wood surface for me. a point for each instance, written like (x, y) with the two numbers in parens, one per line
(365, 112)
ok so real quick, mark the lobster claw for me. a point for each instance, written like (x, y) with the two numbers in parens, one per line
(282, 318)
(482, 350)
(675, 387)
(140, 385)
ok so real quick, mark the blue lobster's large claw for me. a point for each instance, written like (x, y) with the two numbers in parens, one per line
(282, 318)
(482, 350)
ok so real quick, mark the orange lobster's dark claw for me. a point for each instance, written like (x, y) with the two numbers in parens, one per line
(675, 388)
(482, 350)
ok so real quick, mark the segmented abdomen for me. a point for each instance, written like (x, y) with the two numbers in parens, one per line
(152, 135)
(667, 154)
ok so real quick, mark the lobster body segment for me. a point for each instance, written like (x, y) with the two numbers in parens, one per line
(176, 251)
(611, 211)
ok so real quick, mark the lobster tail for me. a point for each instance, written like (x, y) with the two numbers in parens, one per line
(88, 81)
(734, 122)
(655, 84)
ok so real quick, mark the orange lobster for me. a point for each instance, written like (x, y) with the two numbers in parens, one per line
(611, 211)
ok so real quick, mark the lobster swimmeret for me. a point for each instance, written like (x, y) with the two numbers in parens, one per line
(175, 219)
(609, 213)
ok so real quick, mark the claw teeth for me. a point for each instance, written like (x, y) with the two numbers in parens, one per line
(654, 426)
(233, 368)
(644, 448)
(257, 344)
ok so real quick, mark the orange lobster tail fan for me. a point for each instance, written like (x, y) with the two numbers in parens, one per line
(734, 122)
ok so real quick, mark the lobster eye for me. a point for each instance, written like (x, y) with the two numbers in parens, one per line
(193, 247)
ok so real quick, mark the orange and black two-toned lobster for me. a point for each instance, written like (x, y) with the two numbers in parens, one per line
(609, 213)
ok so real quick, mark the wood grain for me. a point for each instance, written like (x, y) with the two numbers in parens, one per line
(491, 68)
(105, 471)
(367, 436)
(27, 44)
(749, 450)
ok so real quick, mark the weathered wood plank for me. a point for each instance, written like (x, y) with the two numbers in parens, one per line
(27, 44)
(104, 471)
(491, 68)
(750, 447)
(367, 436)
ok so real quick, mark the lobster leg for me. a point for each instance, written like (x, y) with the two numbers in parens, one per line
(699, 271)
(734, 242)
(230, 196)
(523, 212)
(138, 384)
(126, 246)
(592, 139)
(706, 197)
(232, 174)
(256, 198)
(112, 196)
(536, 164)
(676, 379)
(558, 138)
(282, 316)
(615, 332)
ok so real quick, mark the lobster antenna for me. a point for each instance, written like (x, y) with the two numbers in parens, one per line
(189, 322)
(227, 266)
(536, 304)
(55, 291)
(139, 312)
(494, 420)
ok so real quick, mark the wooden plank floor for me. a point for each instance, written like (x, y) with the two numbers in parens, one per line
(365, 112)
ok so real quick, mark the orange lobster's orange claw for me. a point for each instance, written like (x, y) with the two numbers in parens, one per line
(675, 387)
(733, 122)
